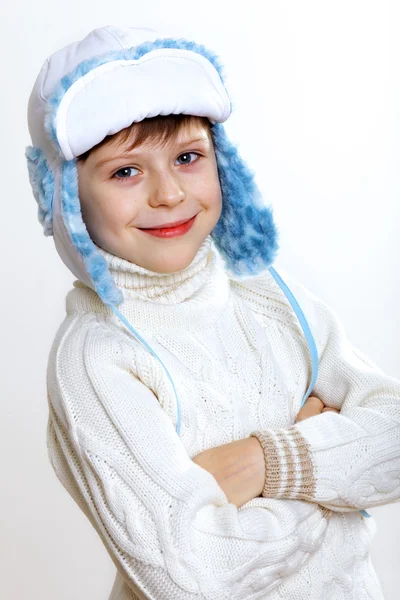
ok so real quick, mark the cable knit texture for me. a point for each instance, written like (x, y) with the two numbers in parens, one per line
(241, 366)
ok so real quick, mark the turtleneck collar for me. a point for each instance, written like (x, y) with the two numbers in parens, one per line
(163, 288)
(191, 298)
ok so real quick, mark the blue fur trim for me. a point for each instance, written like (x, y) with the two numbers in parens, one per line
(42, 182)
(133, 53)
(245, 234)
(95, 264)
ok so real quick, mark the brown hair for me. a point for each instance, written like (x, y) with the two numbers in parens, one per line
(155, 130)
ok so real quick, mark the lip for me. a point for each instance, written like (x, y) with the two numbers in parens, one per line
(169, 232)
(167, 225)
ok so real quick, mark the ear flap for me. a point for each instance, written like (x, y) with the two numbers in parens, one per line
(245, 234)
(42, 182)
(94, 264)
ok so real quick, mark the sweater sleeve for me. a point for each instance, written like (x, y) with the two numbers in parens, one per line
(347, 461)
(164, 520)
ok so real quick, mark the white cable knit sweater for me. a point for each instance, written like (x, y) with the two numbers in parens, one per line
(240, 363)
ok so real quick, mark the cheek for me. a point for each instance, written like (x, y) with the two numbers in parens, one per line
(216, 186)
(114, 211)
(114, 223)
(209, 188)
(215, 194)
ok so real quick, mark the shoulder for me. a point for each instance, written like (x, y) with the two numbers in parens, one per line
(86, 333)
(270, 300)
(90, 360)
(264, 294)
(84, 344)
(78, 330)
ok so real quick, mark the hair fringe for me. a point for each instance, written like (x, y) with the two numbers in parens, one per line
(156, 131)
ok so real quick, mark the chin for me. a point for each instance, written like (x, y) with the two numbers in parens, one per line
(171, 267)
(173, 264)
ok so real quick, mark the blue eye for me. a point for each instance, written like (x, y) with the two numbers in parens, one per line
(123, 174)
(186, 154)
(123, 171)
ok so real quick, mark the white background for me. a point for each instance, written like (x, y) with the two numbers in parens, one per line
(316, 93)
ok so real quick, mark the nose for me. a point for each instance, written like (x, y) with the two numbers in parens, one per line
(166, 189)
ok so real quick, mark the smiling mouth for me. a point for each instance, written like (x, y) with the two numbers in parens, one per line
(168, 225)
(170, 232)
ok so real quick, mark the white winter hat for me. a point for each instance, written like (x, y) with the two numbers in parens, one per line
(101, 85)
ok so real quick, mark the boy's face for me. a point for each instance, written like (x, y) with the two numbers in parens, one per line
(122, 192)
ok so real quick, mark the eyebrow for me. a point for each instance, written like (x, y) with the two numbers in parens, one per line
(132, 153)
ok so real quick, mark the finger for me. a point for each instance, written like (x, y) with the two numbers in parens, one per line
(313, 403)
(313, 406)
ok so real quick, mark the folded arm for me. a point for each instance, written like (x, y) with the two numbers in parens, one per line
(239, 467)
(165, 521)
(349, 461)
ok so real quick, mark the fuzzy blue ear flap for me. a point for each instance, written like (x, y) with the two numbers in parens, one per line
(245, 234)
(95, 264)
(42, 182)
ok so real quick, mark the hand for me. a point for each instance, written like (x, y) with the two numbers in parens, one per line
(238, 467)
(313, 406)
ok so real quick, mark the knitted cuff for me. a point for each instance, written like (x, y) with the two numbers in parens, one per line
(288, 466)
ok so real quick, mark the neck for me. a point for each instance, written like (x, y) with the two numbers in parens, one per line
(192, 298)
(164, 288)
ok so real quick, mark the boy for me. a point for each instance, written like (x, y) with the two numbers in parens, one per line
(143, 466)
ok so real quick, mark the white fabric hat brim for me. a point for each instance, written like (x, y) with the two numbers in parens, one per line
(162, 82)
